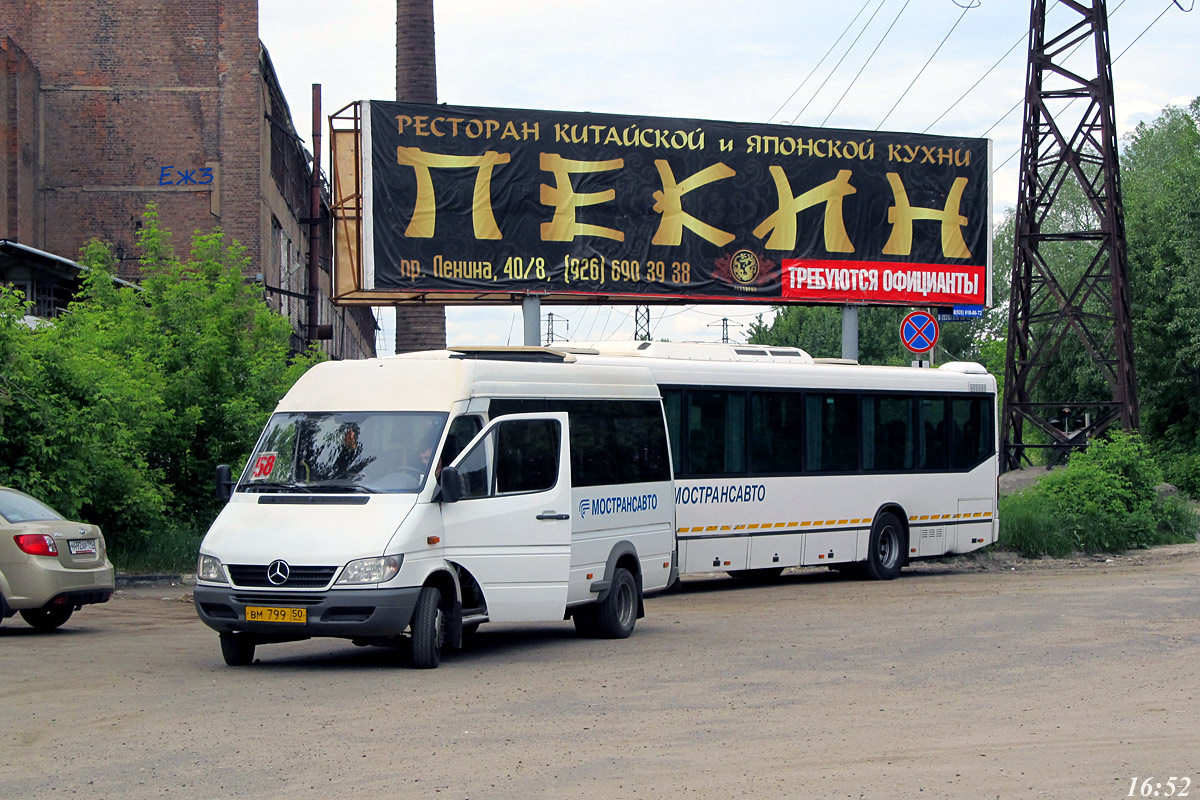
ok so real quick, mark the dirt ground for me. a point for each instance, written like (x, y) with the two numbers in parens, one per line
(990, 677)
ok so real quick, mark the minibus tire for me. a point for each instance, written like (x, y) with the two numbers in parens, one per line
(428, 629)
(237, 649)
(585, 620)
(885, 553)
(616, 614)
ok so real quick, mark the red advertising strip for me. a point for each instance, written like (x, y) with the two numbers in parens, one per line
(828, 281)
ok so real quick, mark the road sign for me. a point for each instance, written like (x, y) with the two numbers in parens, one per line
(919, 332)
(960, 313)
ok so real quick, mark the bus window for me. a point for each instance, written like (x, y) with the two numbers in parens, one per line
(673, 406)
(934, 434)
(831, 433)
(887, 433)
(716, 433)
(776, 421)
(972, 437)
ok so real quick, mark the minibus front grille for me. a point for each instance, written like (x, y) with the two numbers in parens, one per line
(297, 577)
(292, 599)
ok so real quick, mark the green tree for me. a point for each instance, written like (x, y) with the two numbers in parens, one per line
(119, 410)
(1161, 187)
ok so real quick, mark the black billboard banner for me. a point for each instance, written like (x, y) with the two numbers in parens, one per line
(467, 204)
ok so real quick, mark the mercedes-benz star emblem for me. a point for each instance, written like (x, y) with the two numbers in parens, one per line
(277, 572)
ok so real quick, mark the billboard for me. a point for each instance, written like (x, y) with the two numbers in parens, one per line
(458, 204)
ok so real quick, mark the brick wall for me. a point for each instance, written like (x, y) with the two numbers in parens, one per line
(129, 89)
(136, 100)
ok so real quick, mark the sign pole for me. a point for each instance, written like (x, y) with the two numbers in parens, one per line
(531, 313)
(850, 332)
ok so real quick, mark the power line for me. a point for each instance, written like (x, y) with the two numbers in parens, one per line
(1123, 52)
(1151, 25)
(822, 61)
(865, 63)
(1023, 37)
(965, 9)
(839, 63)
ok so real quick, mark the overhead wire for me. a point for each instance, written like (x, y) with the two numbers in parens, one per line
(925, 66)
(865, 63)
(1118, 56)
(1023, 37)
(839, 63)
(822, 61)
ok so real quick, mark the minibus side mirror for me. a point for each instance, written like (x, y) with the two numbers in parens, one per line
(224, 482)
(452, 485)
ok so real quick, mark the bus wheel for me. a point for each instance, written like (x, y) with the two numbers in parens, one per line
(428, 629)
(886, 551)
(616, 614)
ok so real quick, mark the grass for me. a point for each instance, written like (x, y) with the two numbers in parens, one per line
(172, 551)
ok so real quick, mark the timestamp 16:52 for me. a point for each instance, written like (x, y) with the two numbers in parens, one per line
(1149, 787)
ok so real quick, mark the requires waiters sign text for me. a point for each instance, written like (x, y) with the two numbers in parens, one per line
(480, 204)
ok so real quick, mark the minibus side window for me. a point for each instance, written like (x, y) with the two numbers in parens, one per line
(526, 456)
(475, 468)
(516, 457)
(462, 431)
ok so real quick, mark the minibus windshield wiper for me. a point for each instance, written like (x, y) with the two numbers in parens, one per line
(342, 487)
(274, 487)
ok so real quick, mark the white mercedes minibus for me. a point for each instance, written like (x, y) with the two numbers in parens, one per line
(405, 500)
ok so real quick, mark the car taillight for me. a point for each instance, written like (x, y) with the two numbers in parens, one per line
(36, 544)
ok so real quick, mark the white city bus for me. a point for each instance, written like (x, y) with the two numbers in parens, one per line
(783, 460)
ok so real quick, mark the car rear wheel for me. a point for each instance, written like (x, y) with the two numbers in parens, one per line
(47, 619)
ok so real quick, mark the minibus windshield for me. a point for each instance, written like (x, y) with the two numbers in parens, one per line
(364, 452)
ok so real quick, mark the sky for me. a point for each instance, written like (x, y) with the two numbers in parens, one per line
(954, 67)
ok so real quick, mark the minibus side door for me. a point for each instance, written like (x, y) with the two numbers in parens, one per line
(511, 528)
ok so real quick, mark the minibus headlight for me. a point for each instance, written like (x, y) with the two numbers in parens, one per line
(209, 569)
(371, 570)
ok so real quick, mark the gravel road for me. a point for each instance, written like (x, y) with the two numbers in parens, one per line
(973, 678)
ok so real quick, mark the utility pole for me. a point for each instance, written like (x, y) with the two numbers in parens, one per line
(551, 336)
(724, 323)
(1069, 138)
(641, 323)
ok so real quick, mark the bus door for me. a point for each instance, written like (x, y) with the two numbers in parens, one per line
(511, 529)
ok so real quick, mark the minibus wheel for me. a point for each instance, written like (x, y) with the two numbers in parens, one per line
(428, 629)
(585, 620)
(237, 649)
(616, 614)
(886, 551)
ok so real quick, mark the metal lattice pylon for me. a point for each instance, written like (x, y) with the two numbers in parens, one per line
(641, 323)
(1069, 138)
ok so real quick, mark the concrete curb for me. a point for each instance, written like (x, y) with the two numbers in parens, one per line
(133, 580)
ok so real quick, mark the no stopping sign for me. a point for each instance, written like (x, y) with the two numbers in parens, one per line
(919, 332)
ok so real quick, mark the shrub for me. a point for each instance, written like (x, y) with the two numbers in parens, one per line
(1023, 527)
(1105, 500)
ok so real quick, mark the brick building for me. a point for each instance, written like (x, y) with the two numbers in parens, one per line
(107, 105)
